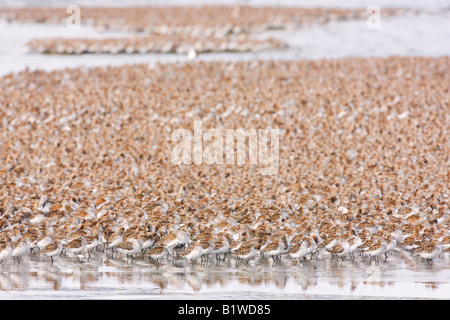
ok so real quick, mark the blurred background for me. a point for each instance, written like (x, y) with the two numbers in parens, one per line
(423, 30)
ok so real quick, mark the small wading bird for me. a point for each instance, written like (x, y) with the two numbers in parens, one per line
(194, 252)
(340, 250)
(376, 250)
(429, 252)
(53, 249)
(245, 253)
(76, 246)
(157, 253)
(299, 251)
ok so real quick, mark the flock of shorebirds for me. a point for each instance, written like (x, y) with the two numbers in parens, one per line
(180, 44)
(86, 162)
(181, 30)
(191, 20)
(294, 232)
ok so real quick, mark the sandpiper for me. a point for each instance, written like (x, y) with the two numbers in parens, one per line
(274, 250)
(52, 249)
(376, 250)
(157, 253)
(193, 252)
(221, 247)
(20, 249)
(130, 247)
(430, 251)
(76, 246)
(6, 250)
(245, 253)
(299, 251)
(341, 249)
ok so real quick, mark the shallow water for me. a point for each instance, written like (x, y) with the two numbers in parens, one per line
(103, 277)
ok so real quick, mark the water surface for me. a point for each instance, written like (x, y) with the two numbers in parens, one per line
(102, 277)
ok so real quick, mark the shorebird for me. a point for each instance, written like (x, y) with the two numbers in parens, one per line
(245, 253)
(208, 248)
(6, 250)
(114, 239)
(410, 244)
(221, 247)
(92, 241)
(157, 253)
(148, 239)
(15, 234)
(130, 247)
(176, 241)
(391, 245)
(375, 250)
(274, 250)
(355, 243)
(21, 248)
(298, 238)
(299, 251)
(37, 218)
(341, 249)
(430, 251)
(235, 245)
(313, 245)
(397, 234)
(34, 234)
(76, 246)
(194, 252)
(446, 243)
(328, 243)
(52, 249)
(44, 241)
